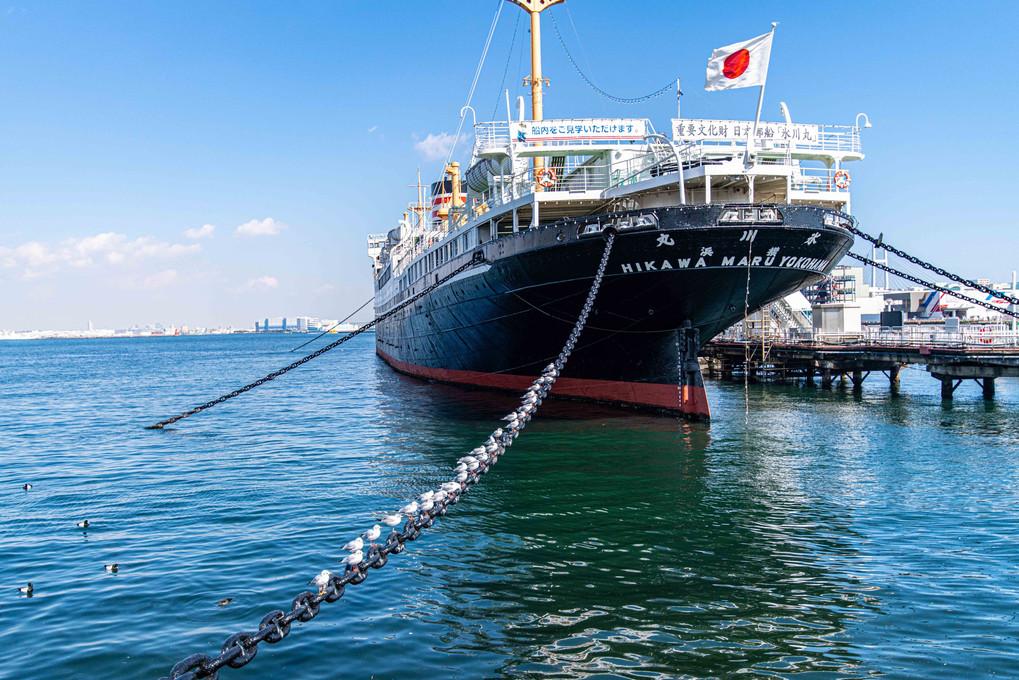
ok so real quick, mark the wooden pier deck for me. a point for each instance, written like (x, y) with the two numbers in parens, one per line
(781, 359)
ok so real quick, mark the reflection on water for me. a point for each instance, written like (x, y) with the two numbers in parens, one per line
(835, 534)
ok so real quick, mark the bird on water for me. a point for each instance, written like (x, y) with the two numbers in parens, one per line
(83, 524)
(112, 568)
(27, 487)
(27, 590)
(322, 580)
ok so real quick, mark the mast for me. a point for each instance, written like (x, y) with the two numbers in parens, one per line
(535, 8)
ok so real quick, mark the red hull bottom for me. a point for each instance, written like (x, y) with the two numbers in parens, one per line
(688, 400)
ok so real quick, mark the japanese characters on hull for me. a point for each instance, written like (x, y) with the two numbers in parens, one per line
(667, 255)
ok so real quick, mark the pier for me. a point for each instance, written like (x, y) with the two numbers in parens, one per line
(950, 358)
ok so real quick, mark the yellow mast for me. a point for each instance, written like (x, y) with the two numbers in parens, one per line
(419, 208)
(535, 8)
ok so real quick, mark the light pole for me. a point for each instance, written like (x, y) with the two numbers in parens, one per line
(865, 118)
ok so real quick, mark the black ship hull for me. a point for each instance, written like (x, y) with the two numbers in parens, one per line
(498, 324)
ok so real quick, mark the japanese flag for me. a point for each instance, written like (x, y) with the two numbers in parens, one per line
(743, 64)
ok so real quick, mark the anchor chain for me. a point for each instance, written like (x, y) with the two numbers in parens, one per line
(477, 259)
(932, 267)
(240, 648)
(914, 279)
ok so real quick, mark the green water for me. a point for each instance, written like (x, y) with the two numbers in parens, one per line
(830, 535)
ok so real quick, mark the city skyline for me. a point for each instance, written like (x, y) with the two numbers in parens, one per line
(211, 164)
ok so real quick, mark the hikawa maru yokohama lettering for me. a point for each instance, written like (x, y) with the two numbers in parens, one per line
(769, 260)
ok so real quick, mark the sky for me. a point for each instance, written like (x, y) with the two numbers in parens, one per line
(213, 164)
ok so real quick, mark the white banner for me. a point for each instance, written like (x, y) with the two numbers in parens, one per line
(583, 130)
(690, 130)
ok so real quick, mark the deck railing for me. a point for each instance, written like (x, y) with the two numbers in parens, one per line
(573, 178)
(975, 336)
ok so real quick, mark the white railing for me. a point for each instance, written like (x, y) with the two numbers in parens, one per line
(492, 136)
(990, 336)
(573, 178)
(816, 180)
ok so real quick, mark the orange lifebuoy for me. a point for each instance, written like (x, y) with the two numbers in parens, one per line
(842, 179)
(546, 177)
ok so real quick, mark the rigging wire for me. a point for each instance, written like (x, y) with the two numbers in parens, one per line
(587, 59)
(474, 84)
(620, 100)
(569, 15)
(509, 59)
(329, 330)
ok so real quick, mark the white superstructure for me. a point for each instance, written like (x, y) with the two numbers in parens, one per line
(525, 173)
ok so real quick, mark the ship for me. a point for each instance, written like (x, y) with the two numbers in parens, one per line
(712, 221)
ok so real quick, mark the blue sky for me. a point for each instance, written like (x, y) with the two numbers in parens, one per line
(294, 129)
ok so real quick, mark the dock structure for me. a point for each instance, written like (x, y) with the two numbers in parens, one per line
(853, 359)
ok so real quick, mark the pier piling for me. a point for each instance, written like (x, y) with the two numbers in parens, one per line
(893, 377)
(988, 385)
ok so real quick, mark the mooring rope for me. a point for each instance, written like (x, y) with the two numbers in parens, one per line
(240, 648)
(335, 325)
(746, 340)
(478, 258)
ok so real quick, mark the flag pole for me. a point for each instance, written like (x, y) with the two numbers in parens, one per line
(757, 120)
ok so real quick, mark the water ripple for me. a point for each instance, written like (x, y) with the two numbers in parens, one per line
(832, 536)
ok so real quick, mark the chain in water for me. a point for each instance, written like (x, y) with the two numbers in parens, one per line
(240, 648)
(275, 374)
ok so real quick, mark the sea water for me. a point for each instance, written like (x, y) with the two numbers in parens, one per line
(821, 534)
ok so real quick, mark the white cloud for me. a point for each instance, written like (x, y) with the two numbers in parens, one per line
(435, 147)
(40, 258)
(205, 231)
(161, 279)
(262, 283)
(373, 128)
(323, 289)
(266, 227)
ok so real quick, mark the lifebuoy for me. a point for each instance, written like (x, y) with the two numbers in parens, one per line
(546, 177)
(842, 179)
(983, 335)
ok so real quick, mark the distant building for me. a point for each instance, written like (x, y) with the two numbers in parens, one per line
(284, 324)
